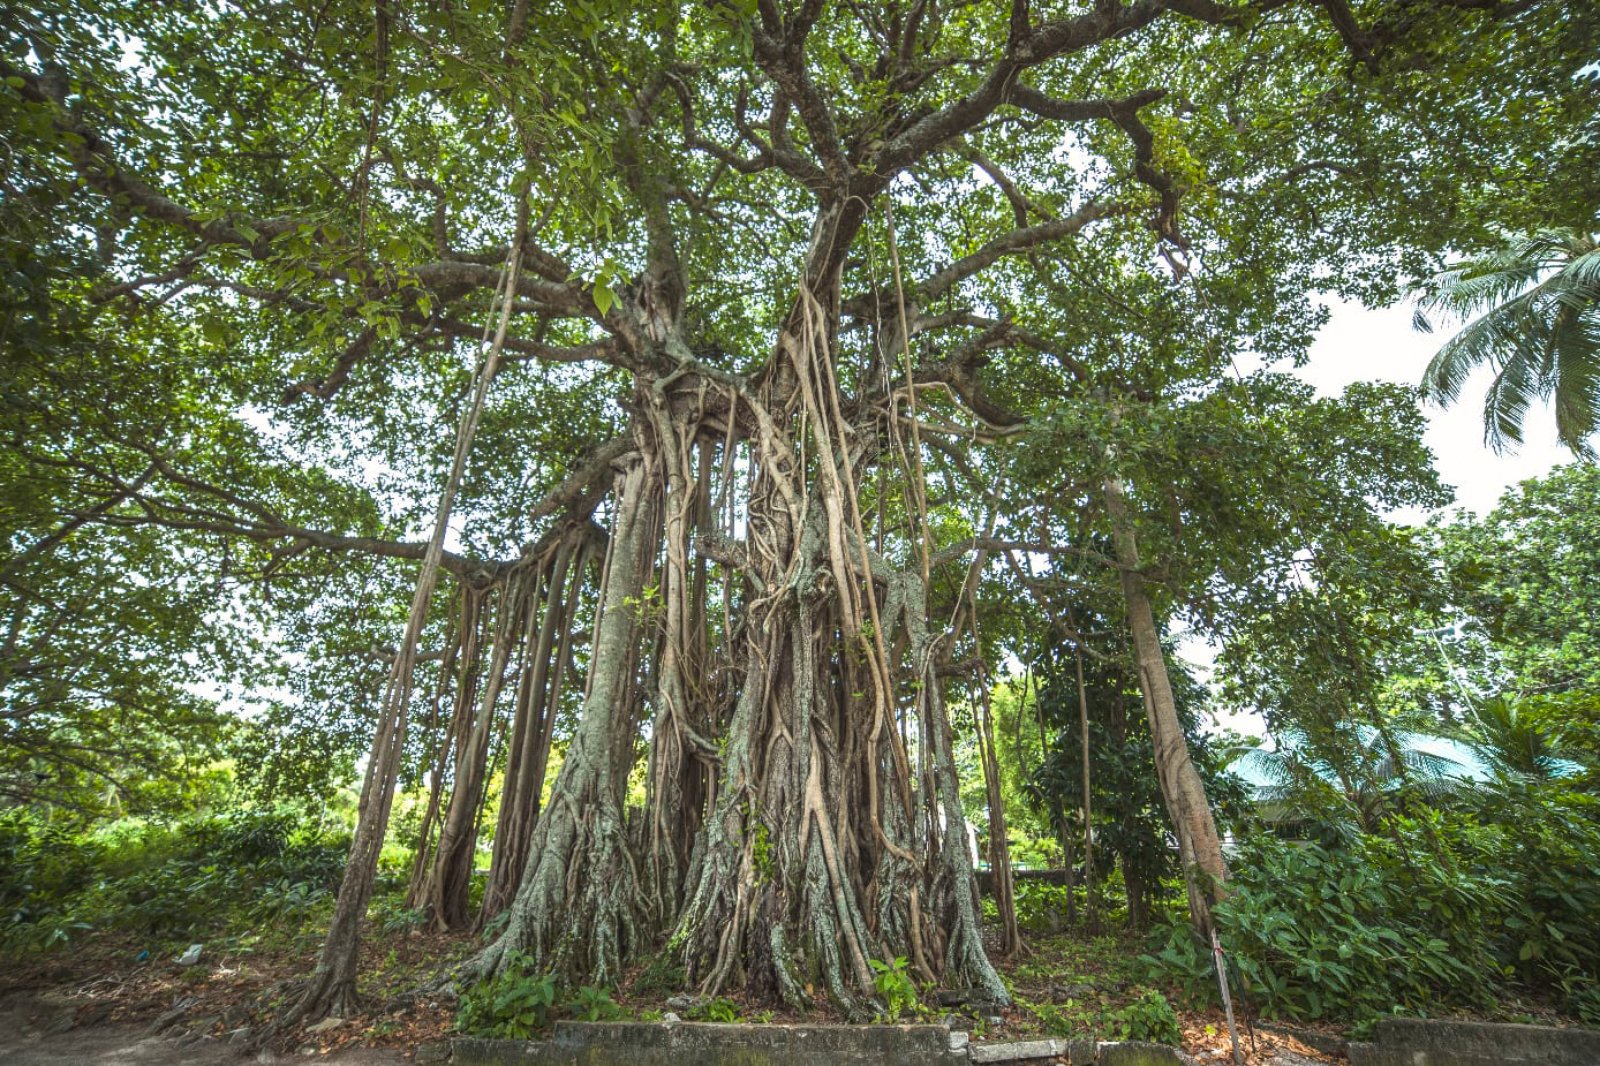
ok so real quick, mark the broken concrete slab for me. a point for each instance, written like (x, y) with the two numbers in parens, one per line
(1074, 1051)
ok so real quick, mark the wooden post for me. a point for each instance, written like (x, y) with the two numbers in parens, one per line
(1227, 999)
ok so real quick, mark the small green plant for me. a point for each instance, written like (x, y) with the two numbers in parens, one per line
(400, 919)
(592, 1004)
(892, 981)
(761, 851)
(513, 1005)
(662, 973)
(495, 926)
(714, 1010)
(1149, 1017)
(647, 605)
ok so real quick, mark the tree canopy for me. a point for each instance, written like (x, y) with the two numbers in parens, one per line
(838, 352)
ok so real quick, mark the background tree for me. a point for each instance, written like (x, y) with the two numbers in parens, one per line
(1532, 311)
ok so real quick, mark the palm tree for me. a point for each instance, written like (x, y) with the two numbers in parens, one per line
(1532, 311)
(1514, 744)
(1346, 783)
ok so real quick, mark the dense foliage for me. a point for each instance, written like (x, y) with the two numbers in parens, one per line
(1444, 910)
(164, 884)
(670, 461)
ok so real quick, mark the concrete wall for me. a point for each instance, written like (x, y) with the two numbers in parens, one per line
(1418, 1042)
(705, 1044)
(691, 1044)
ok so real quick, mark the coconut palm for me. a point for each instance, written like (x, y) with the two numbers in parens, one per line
(1532, 311)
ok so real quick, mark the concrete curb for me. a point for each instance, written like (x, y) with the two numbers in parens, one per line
(1327, 1043)
(1419, 1042)
(708, 1044)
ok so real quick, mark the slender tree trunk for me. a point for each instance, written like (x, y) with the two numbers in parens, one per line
(1199, 845)
(1005, 896)
(576, 911)
(449, 886)
(474, 618)
(1058, 821)
(530, 739)
(332, 988)
(1092, 890)
(464, 621)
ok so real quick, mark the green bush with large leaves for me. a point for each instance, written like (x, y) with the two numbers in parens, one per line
(1439, 910)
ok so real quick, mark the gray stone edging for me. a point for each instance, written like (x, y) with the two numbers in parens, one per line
(1430, 1042)
(1327, 1043)
(710, 1044)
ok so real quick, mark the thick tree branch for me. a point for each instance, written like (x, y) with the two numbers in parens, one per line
(1013, 243)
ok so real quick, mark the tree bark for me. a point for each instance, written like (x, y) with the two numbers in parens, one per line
(525, 763)
(1199, 845)
(449, 885)
(576, 912)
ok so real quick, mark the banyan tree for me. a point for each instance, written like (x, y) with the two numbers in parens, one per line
(692, 301)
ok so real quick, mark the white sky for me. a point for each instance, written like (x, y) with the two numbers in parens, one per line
(1362, 345)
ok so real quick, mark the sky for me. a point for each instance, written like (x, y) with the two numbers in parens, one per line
(1362, 345)
(1358, 344)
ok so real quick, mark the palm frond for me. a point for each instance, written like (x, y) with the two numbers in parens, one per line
(1530, 312)
(1584, 268)
(1576, 380)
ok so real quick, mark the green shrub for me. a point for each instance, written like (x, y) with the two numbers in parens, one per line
(1041, 907)
(1316, 933)
(590, 1004)
(893, 983)
(714, 1010)
(512, 1006)
(244, 869)
(1439, 910)
(1148, 1017)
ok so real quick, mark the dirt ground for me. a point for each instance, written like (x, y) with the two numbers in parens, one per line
(129, 1046)
(101, 1004)
(33, 1032)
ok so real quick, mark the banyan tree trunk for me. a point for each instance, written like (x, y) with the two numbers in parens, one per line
(680, 731)
(1199, 845)
(577, 908)
(448, 887)
(821, 852)
(787, 841)
(547, 651)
